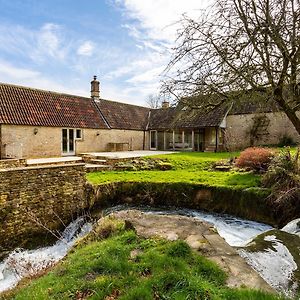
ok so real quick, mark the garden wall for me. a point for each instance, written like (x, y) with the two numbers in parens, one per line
(249, 203)
(33, 196)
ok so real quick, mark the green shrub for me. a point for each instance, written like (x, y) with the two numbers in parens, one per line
(283, 173)
(283, 177)
(286, 140)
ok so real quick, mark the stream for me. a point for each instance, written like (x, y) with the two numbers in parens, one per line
(275, 254)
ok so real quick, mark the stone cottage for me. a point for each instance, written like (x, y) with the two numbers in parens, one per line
(38, 123)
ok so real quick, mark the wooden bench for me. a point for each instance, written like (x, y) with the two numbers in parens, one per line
(113, 147)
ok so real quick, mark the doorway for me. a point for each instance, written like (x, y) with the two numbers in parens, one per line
(153, 140)
(68, 141)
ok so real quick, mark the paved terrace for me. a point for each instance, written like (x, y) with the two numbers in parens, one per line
(104, 155)
(126, 154)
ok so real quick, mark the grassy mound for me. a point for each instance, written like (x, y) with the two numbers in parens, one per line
(114, 263)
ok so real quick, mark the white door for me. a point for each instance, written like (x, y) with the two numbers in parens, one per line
(68, 141)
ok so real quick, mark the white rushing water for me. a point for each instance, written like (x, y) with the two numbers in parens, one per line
(275, 265)
(22, 263)
(237, 232)
(293, 227)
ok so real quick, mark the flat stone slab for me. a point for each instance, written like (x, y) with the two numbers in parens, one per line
(202, 238)
(53, 160)
(125, 154)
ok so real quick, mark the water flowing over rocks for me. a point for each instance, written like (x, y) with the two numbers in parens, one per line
(275, 254)
(26, 263)
(293, 227)
(202, 237)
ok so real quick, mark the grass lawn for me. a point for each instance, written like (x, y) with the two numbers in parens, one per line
(188, 167)
(125, 266)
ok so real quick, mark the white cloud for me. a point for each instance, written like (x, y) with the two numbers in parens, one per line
(158, 17)
(150, 76)
(51, 42)
(10, 73)
(126, 74)
(154, 26)
(86, 48)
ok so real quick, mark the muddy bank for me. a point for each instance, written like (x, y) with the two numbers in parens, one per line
(250, 203)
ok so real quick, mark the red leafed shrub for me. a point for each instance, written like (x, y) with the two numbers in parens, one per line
(255, 158)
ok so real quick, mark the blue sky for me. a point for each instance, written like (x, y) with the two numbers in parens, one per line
(60, 44)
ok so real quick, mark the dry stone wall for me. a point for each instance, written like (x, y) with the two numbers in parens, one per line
(32, 196)
(12, 163)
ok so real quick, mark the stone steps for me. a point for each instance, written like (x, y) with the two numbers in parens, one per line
(96, 167)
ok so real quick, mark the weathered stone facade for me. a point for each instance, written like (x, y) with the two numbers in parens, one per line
(33, 196)
(40, 141)
(238, 130)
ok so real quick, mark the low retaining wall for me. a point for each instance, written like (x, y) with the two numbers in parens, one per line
(250, 203)
(12, 163)
(32, 196)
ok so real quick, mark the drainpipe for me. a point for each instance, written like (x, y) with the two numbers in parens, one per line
(217, 137)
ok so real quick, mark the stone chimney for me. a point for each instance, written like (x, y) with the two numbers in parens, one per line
(95, 89)
(165, 104)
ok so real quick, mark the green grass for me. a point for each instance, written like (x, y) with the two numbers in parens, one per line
(160, 270)
(189, 167)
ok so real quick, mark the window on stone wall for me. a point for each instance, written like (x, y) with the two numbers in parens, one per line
(78, 134)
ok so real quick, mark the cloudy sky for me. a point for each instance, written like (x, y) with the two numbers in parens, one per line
(60, 44)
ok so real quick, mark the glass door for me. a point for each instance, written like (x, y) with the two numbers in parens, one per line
(68, 142)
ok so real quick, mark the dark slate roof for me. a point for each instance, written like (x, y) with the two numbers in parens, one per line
(27, 106)
(185, 117)
(252, 107)
(251, 102)
(124, 116)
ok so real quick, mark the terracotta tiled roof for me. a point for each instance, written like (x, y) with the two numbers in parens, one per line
(184, 117)
(124, 116)
(27, 106)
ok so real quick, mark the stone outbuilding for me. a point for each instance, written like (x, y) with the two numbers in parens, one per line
(39, 123)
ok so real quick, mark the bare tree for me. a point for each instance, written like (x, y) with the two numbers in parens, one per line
(237, 46)
(154, 101)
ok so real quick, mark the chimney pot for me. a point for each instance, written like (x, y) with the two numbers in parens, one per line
(165, 104)
(95, 89)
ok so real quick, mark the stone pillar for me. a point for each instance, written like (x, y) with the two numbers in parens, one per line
(173, 140)
(193, 140)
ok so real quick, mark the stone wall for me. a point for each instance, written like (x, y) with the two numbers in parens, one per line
(97, 140)
(248, 203)
(33, 196)
(37, 141)
(12, 163)
(239, 126)
(22, 142)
